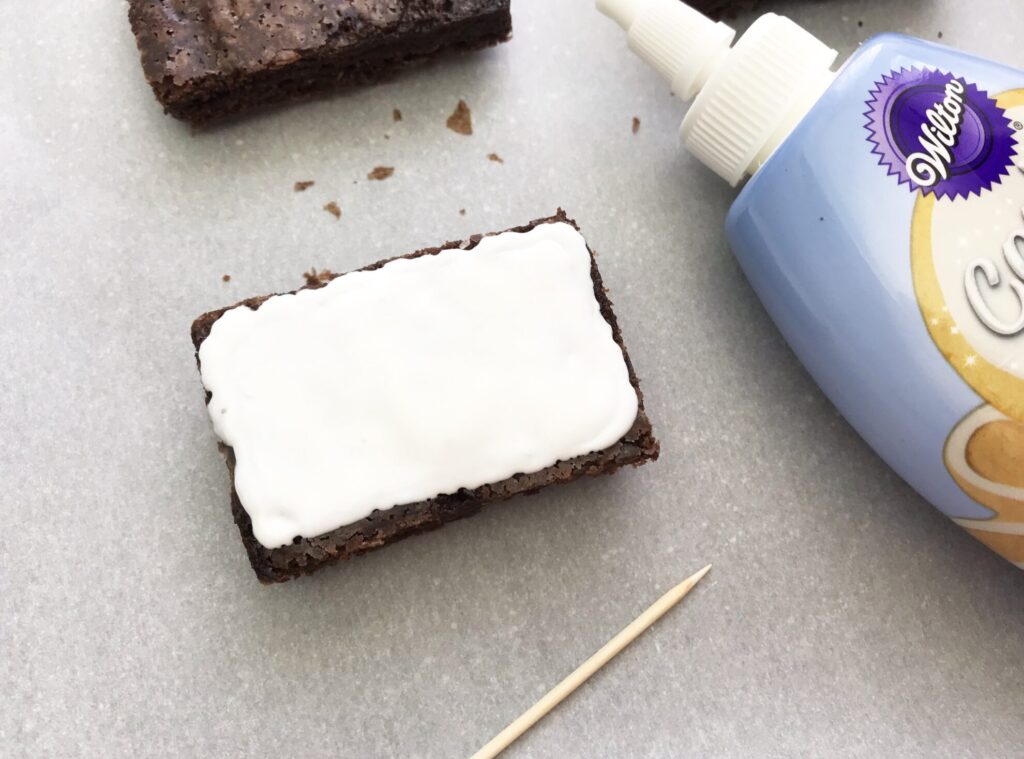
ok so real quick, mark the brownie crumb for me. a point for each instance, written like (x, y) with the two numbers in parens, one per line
(461, 120)
(636, 125)
(304, 185)
(495, 157)
(462, 212)
(333, 209)
(860, 23)
(226, 278)
(940, 35)
(381, 172)
(396, 115)
(316, 278)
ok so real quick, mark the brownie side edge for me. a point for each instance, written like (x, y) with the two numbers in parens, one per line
(202, 72)
(382, 528)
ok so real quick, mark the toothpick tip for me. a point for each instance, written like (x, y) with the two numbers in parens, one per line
(697, 576)
(553, 697)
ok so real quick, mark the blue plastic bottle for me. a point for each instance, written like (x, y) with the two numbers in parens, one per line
(883, 228)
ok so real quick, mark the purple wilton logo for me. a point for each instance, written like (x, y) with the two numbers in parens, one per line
(938, 133)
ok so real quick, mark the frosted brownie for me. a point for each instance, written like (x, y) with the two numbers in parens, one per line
(384, 402)
(206, 59)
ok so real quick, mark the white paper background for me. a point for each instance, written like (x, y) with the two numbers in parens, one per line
(844, 616)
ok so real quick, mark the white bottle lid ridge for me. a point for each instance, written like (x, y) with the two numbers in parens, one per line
(748, 97)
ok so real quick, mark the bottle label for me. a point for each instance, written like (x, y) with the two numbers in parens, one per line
(967, 260)
(955, 147)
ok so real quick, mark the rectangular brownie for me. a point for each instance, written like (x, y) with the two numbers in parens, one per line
(723, 8)
(446, 364)
(206, 59)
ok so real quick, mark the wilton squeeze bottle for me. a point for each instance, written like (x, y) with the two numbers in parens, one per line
(882, 227)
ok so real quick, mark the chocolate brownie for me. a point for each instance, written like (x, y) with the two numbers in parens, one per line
(722, 8)
(307, 554)
(206, 59)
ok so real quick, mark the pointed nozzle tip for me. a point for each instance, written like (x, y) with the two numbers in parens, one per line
(622, 12)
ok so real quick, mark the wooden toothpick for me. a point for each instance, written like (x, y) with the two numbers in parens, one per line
(553, 697)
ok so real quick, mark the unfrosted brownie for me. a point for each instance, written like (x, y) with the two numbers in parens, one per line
(207, 59)
(722, 8)
(388, 523)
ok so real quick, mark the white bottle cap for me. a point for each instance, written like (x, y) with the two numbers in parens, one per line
(682, 44)
(751, 96)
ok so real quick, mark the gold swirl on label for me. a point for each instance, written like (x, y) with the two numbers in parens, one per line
(969, 287)
(985, 456)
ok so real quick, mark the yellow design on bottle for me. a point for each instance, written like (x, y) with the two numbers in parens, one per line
(967, 269)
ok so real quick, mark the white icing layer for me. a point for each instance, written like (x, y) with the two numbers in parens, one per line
(425, 376)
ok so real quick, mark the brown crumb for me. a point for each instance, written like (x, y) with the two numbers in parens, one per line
(636, 125)
(461, 120)
(940, 35)
(462, 212)
(495, 157)
(396, 115)
(226, 278)
(333, 209)
(381, 172)
(860, 23)
(304, 185)
(316, 278)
